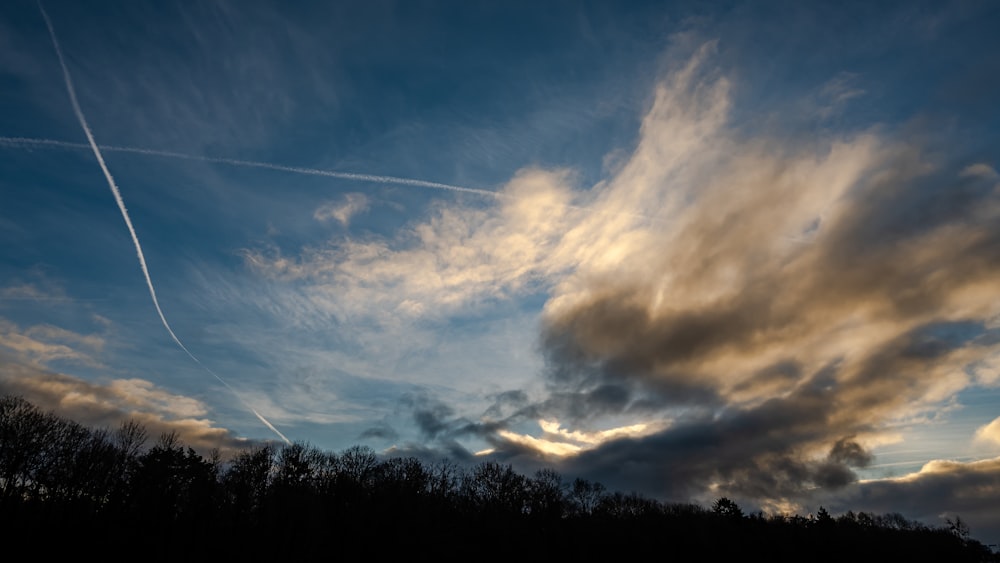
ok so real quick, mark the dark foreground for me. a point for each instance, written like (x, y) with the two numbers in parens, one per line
(69, 490)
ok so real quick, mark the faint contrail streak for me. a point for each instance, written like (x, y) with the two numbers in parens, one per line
(254, 164)
(128, 221)
(29, 142)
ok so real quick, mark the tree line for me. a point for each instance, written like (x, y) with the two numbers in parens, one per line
(116, 491)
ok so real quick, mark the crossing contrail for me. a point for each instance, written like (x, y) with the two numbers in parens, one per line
(128, 222)
(378, 179)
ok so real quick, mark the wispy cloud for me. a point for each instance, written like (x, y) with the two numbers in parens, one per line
(349, 205)
(835, 94)
(26, 292)
(42, 344)
(461, 256)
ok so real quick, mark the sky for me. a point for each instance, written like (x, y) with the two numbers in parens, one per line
(743, 249)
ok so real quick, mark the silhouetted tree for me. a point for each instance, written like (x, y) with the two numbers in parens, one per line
(173, 484)
(727, 508)
(495, 488)
(823, 517)
(77, 483)
(584, 496)
(25, 436)
(546, 492)
(959, 528)
(621, 506)
(246, 481)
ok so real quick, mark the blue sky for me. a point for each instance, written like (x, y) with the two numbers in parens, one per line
(743, 248)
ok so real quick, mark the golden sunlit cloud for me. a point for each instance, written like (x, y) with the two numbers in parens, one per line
(989, 432)
(107, 405)
(560, 442)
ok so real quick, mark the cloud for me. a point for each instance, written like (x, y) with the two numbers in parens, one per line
(108, 404)
(24, 291)
(560, 442)
(514, 398)
(542, 445)
(941, 489)
(35, 286)
(460, 257)
(835, 94)
(782, 303)
(350, 205)
(989, 432)
(381, 431)
(787, 303)
(980, 170)
(42, 344)
(779, 449)
(431, 417)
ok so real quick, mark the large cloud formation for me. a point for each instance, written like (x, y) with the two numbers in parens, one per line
(788, 304)
(770, 306)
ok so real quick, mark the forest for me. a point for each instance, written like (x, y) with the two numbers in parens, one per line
(69, 489)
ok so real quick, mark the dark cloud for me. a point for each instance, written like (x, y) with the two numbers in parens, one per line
(431, 416)
(756, 452)
(587, 404)
(514, 398)
(943, 489)
(380, 431)
(444, 450)
(778, 375)
(851, 453)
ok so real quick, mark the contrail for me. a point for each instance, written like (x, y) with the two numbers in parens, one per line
(254, 164)
(128, 221)
(378, 179)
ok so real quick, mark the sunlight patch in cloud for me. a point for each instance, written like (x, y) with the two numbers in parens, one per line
(553, 428)
(541, 445)
(560, 442)
(144, 395)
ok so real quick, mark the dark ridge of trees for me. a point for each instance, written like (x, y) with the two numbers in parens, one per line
(67, 489)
